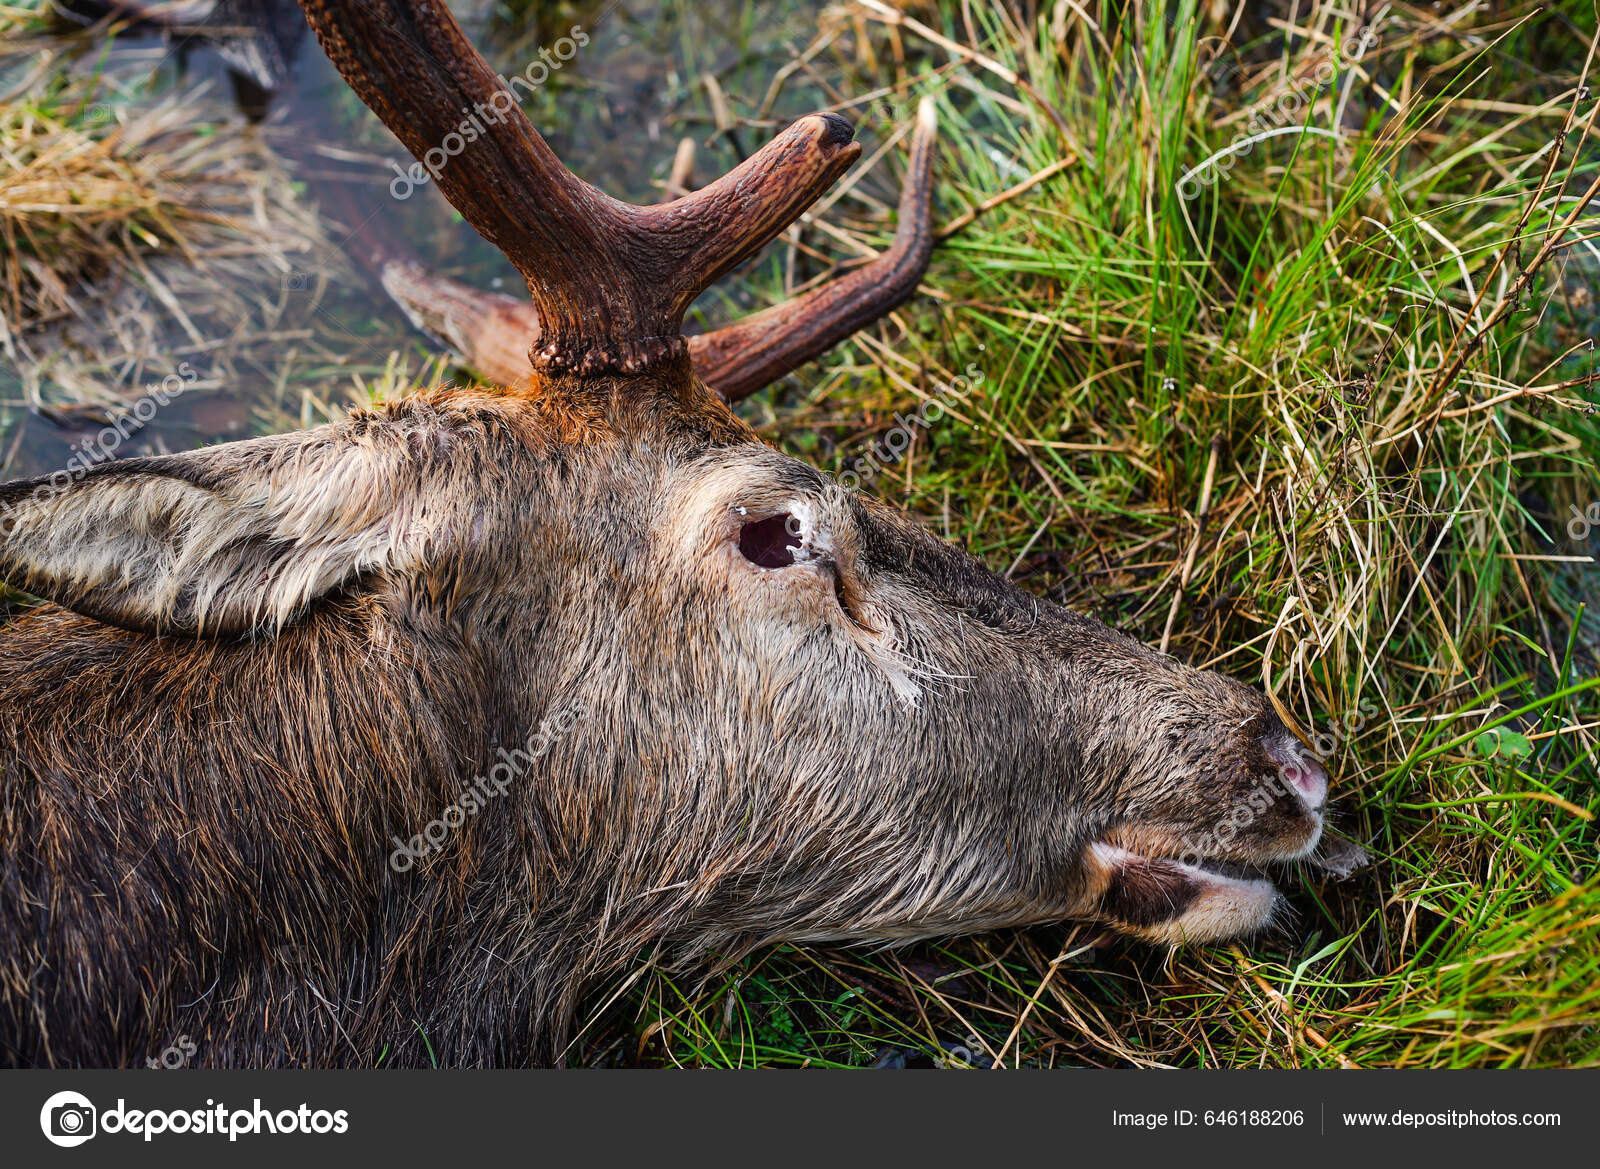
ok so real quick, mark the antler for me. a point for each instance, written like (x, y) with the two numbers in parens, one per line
(609, 281)
(759, 349)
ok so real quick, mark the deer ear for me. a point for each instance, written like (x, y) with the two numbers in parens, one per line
(219, 542)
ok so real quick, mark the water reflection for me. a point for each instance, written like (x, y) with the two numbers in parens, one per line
(284, 339)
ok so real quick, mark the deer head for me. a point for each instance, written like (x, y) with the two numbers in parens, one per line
(799, 716)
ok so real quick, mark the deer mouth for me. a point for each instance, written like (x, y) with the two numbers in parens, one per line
(1233, 870)
(1214, 881)
(1236, 850)
(1173, 901)
(1143, 890)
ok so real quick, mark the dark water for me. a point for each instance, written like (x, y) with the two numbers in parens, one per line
(614, 111)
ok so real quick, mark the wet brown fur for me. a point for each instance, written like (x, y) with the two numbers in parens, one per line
(197, 822)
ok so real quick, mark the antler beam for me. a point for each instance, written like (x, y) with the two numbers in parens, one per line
(491, 331)
(609, 281)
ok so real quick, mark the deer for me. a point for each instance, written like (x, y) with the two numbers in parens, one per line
(389, 741)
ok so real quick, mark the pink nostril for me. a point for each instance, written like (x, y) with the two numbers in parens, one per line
(1309, 779)
(1299, 769)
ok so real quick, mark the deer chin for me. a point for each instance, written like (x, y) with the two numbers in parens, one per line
(1172, 901)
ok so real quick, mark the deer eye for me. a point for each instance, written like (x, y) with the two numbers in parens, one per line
(771, 542)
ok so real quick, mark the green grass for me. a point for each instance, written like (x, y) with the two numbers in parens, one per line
(1313, 428)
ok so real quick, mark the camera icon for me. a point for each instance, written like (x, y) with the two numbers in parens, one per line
(68, 1119)
(297, 281)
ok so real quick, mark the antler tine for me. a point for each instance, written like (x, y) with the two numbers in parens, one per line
(610, 281)
(757, 350)
(491, 330)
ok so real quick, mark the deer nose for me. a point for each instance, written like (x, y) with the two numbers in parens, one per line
(1303, 773)
(1300, 771)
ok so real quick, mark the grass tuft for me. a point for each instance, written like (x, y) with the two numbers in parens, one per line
(1325, 425)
